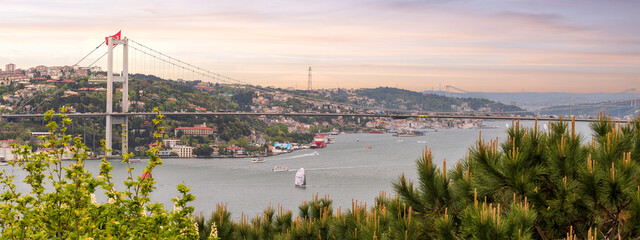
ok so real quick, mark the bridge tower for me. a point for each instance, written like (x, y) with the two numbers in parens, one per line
(124, 79)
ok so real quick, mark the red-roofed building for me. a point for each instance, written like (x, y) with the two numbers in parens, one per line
(236, 150)
(201, 130)
(61, 81)
(7, 143)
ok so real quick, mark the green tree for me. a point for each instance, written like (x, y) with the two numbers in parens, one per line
(536, 185)
(203, 151)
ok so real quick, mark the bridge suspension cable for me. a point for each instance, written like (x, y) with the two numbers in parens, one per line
(186, 66)
(82, 59)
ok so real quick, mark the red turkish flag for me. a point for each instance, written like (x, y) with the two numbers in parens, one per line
(115, 36)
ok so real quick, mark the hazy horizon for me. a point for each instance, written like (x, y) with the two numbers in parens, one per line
(480, 46)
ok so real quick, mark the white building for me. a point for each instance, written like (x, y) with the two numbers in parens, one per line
(170, 143)
(183, 151)
(5, 153)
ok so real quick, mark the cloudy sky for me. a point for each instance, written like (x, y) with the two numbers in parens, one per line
(475, 45)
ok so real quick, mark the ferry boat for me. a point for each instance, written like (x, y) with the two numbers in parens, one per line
(300, 180)
(413, 133)
(376, 131)
(318, 141)
(257, 160)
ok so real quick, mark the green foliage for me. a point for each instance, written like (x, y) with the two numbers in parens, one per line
(279, 132)
(203, 151)
(535, 185)
(61, 202)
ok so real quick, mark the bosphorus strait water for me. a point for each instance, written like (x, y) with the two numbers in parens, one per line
(344, 171)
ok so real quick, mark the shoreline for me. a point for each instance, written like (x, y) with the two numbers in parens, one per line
(273, 154)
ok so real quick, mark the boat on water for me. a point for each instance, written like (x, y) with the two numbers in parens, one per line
(318, 141)
(330, 140)
(368, 146)
(376, 131)
(257, 160)
(300, 179)
(414, 133)
(280, 168)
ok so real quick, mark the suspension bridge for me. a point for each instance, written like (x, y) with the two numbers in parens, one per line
(167, 67)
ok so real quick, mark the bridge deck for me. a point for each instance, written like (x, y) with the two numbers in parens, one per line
(395, 116)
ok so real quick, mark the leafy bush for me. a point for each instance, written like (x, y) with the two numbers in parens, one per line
(61, 203)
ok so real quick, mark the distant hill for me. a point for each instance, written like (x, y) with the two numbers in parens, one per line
(401, 99)
(536, 100)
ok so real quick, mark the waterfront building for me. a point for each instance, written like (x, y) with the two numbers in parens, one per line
(236, 150)
(6, 155)
(183, 151)
(7, 143)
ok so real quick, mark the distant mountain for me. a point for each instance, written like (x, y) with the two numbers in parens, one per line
(536, 100)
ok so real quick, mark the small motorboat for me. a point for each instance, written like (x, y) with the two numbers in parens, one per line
(257, 160)
(368, 146)
(280, 168)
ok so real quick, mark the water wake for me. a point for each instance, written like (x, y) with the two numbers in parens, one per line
(349, 167)
(299, 156)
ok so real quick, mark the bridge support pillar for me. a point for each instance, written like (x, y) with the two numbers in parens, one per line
(123, 78)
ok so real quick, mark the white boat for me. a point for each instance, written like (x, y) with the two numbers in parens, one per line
(280, 168)
(315, 153)
(257, 160)
(301, 179)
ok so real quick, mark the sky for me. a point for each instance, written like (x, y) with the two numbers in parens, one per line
(476, 45)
